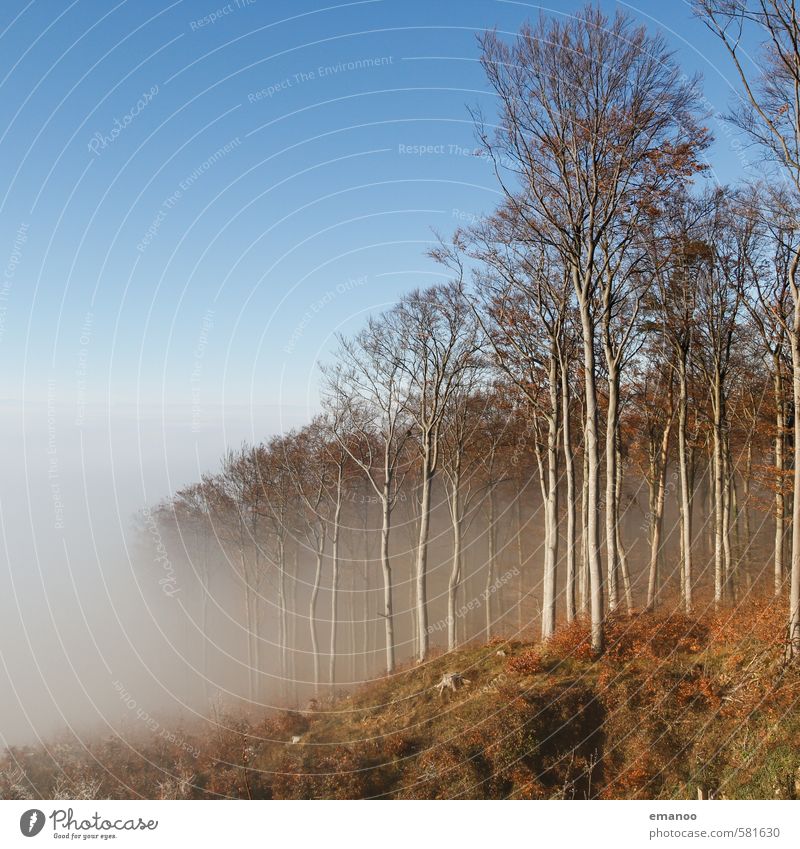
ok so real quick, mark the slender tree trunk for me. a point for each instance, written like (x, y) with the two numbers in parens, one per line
(256, 600)
(569, 469)
(622, 553)
(351, 616)
(247, 612)
(551, 510)
(719, 495)
(780, 498)
(657, 521)
(282, 624)
(388, 613)
(364, 653)
(204, 627)
(455, 572)
(422, 555)
(491, 535)
(747, 484)
(728, 507)
(793, 636)
(593, 484)
(312, 617)
(685, 498)
(612, 512)
(546, 550)
(520, 562)
(335, 586)
(292, 608)
(584, 581)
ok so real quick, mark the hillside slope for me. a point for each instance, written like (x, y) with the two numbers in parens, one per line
(674, 707)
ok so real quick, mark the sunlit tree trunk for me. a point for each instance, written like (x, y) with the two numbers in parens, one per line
(719, 495)
(685, 496)
(291, 603)
(728, 510)
(569, 470)
(282, 623)
(388, 612)
(455, 571)
(611, 506)
(312, 616)
(593, 480)
(520, 562)
(780, 498)
(337, 515)
(551, 507)
(793, 641)
(747, 485)
(584, 578)
(657, 517)
(491, 538)
(421, 572)
(622, 553)
(248, 609)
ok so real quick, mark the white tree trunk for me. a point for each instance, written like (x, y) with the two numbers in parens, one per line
(780, 500)
(422, 559)
(551, 511)
(335, 588)
(584, 577)
(612, 513)
(793, 640)
(593, 482)
(455, 572)
(719, 495)
(621, 552)
(685, 498)
(657, 518)
(728, 508)
(388, 613)
(569, 468)
(520, 562)
(312, 619)
(491, 534)
(248, 614)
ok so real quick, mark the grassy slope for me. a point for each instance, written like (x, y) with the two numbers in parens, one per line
(674, 705)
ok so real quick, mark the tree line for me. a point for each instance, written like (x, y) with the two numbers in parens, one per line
(614, 318)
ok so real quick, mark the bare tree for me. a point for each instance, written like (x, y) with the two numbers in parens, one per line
(439, 358)
(365, 392)
(462, 455)
(678, 258)
(720, 290)
(581, 163)
(312, 477)
(655, 424)
(525, 306)
(770, 308)
(770, 114)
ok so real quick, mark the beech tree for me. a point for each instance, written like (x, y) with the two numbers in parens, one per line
(720, 292)
(525, 298)
(677, 258)
(654, 400)
(770, 114)
(770, 309)
(365, 391)
(581, 164)
(462, 455)
(440, 356)
(312, 477)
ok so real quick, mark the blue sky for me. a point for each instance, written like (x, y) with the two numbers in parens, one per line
(197, 195)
